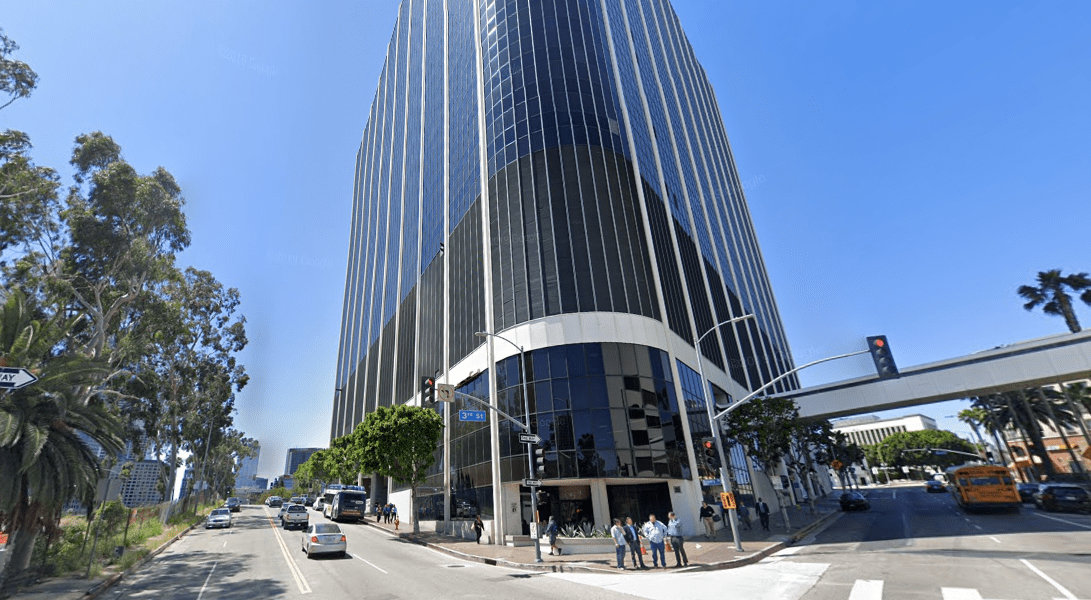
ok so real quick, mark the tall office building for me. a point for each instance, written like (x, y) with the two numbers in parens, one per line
(296, 457)
(246, 478)
(555, 172)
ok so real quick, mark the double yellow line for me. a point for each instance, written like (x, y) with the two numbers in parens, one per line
(300, 581)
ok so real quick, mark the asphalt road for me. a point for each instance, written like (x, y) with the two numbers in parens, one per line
(910, 545)
(255, 559)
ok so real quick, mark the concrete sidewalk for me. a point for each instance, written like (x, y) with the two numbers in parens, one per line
(703, 554)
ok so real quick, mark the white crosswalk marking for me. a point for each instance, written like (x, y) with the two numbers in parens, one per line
(960, 594)
(867, 589)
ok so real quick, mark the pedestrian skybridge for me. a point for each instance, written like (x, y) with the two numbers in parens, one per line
(1037, 362)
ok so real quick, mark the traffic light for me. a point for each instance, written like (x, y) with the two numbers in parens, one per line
(539, 462)
(428, 390)
(709, 457)
(884, 360)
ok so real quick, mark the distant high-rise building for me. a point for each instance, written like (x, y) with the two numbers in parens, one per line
(142, 485)
(248, 472)
(557, 173)
(296, 457)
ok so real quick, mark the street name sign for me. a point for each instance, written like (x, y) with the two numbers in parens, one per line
(13, 378)
(529, 438)
(472, 416)
(445, 392)
(532, 482)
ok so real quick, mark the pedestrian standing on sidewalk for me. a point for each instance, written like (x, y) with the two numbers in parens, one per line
(763, 514)
(479, 527)
(551, 531)
(632, 537)
(386, 513)
(744, 515)
(674, 531)
(706, 518)
(655, 532)
(619, 543)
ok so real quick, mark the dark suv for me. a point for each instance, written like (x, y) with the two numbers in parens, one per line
(1026, 491)
(1055, 496)
(233, 504)
(854, 501)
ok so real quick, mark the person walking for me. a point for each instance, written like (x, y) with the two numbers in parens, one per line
(618, 534)
(479, 528)
(706, 517)
(632, 536)
(744, 515)
(674, 531)
(655, 532)
(386, 513)
(763, 514)
(551, 531)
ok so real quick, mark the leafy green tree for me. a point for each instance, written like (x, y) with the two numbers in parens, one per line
(43, 460)
(908, 448)
(1052, 295)
(764, 428)
(313, 470)
(17, 79)
(400, 442)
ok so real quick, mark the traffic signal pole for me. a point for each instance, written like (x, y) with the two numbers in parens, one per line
(725, 481)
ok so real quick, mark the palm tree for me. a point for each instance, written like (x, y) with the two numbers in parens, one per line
(975, 418)
(1051, 295)
(1014, 410)
(44, 459)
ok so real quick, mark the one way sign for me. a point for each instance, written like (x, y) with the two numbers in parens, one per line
(13, 378)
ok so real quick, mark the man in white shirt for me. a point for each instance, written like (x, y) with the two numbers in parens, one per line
(619, 543)
(655, 532)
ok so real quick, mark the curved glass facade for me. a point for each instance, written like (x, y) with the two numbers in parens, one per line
(530, 164)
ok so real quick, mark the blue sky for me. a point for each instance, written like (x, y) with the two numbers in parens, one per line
(907, 165)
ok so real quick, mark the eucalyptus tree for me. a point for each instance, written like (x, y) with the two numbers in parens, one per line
(1052, 294)
(17, 79)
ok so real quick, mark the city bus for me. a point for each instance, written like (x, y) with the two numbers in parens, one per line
(984, 487)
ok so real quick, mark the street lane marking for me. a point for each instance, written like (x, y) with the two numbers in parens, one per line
(300, 581)
(895, 495)
(225, 544)
(960, 594)
(1063, 520)
(976, 526)
(867, 589)
(1049, 580)
(993, 538)
(370, 563)
(205, 586)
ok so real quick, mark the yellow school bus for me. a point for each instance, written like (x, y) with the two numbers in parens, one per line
(983, 487)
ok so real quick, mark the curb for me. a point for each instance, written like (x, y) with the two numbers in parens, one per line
(98, 589)
(742, 561)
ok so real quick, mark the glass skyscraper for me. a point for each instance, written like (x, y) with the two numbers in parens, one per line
(556, 172)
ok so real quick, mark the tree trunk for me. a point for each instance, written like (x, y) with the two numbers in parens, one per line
(1076, 410)
(1069, 313)
(1031, 434)
(20, 549)
(1076, 465)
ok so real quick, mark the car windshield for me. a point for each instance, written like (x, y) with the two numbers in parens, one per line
(219, 512)
(1067, 490)
(297, 508)
(326, 528)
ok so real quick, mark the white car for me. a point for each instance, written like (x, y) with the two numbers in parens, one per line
(324, 538)
(220, 517)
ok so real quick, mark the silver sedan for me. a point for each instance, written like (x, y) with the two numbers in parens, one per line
(221, 517)
(324, 538)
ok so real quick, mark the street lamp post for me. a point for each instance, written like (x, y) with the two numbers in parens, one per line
(530, 447)
(733, 516)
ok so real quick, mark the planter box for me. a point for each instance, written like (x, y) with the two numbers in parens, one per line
(582, 545)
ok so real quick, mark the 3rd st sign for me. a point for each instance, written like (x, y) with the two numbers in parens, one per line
(13, 378)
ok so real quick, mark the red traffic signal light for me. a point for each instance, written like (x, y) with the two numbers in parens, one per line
(428, 390)
(881, 355)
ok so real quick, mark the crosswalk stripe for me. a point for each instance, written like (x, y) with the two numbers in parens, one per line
(960, 594)
(867, 589)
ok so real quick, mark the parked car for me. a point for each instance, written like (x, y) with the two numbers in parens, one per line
(1055, 496)
(294, 515)
(324, 538)
(296, 500)
(854, 501)
(1026, 491)
(220, 517)
(233, 504)
(274, 501)
(932, 486)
